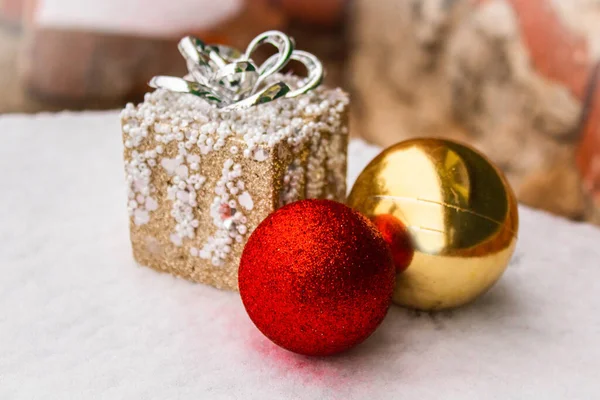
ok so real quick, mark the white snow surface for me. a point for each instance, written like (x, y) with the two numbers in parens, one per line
(80, 320)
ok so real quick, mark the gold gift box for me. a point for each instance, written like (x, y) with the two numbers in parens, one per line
(201, 179)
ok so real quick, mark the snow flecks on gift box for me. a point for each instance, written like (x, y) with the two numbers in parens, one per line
(227, 215)
(138, 173)
(201, 179)
(182, 191)
(292, 180)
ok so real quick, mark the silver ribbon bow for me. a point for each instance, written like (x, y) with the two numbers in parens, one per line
(231, 80)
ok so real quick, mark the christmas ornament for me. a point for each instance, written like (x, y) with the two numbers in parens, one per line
(201, 177)
(316, 277)
(459, 211)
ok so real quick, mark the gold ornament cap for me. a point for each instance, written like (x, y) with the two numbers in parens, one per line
(460, 213)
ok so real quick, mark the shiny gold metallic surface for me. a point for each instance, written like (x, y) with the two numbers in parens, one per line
(460, 212)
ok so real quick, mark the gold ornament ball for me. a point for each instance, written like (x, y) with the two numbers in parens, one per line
(460, 214)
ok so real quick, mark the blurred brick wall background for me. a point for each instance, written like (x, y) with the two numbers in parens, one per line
(13, 97)
(516, 78)
(512, 77)
(49, 61)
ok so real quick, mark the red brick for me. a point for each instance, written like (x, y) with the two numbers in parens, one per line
(12, 10)
(588, 153)
(557, 52)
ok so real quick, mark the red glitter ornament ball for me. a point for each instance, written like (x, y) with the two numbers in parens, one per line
(316, 277)
(397, 237)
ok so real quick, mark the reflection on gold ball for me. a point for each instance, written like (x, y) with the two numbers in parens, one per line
(460, 214)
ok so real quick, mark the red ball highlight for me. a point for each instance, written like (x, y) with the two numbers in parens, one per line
(316, 277)
(398, 238)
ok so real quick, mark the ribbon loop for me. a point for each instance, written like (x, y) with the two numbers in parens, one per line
(231, 80)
